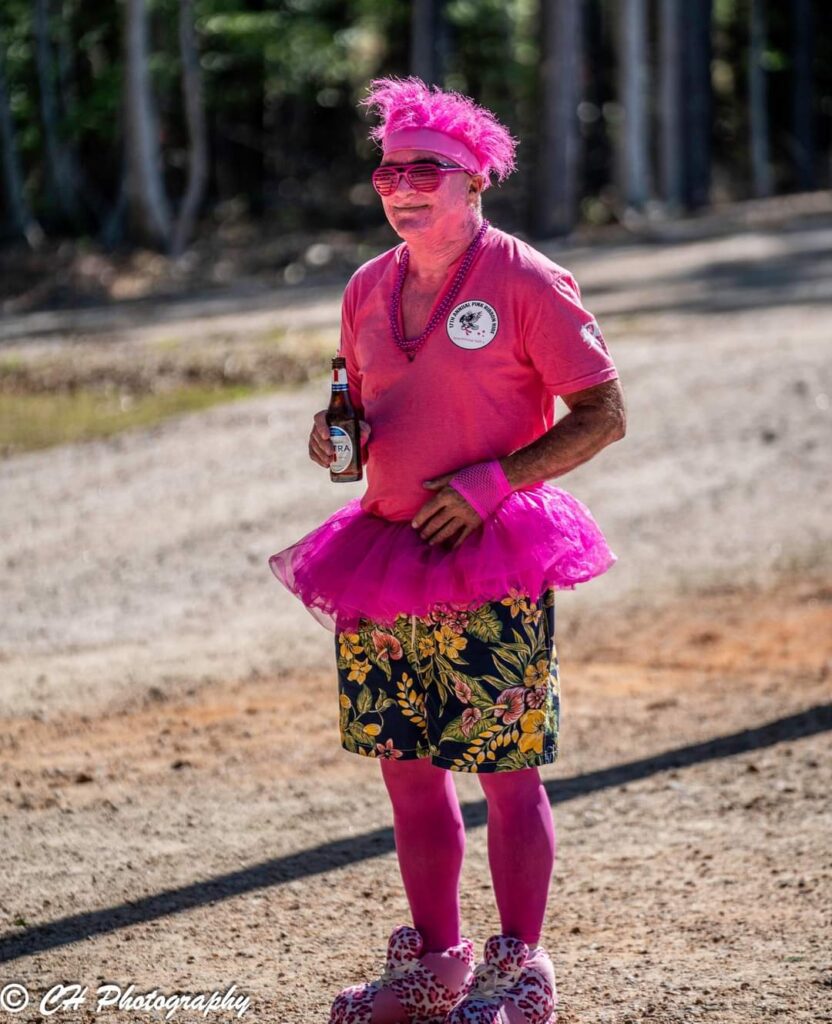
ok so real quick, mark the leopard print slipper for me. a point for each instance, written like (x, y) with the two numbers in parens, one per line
(408, 991)
(512, 985)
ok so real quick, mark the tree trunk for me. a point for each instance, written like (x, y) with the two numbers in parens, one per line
(88, 195)
(670, 105)
(195, 116)
(146, 201)
(633, 154)
(61, 171)
(697, 100)
(757, 98)
(803, 121)
(428, 40)
(19, 215)
(555, 199)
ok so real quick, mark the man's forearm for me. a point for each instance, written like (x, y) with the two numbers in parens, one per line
(571, 441)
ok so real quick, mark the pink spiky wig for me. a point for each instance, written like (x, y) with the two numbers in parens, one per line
(414, 116)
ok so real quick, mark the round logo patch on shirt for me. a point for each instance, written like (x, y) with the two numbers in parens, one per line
(472, 324)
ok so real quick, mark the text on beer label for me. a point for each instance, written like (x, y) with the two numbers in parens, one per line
(342, 443)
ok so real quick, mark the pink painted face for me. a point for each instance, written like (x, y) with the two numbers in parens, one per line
(446, 210)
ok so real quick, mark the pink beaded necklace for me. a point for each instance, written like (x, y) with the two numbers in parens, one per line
(410, 346)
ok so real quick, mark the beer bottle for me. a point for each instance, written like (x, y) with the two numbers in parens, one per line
(344, 428)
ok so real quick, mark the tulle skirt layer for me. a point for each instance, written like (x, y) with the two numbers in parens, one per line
(357, 565)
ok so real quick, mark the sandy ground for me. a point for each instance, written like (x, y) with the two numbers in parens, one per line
(168, 824)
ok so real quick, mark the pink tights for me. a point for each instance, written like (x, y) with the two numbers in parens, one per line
(430, 843)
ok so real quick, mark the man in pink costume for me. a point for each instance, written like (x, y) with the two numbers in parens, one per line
(457, 342)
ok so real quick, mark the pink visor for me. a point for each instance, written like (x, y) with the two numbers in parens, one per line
(434, 142)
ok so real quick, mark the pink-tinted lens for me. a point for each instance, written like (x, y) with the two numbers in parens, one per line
(422, 177)
(385, 180)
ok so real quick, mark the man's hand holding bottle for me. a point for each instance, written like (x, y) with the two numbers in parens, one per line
(321, 449)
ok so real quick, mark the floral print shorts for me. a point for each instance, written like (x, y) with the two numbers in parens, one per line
(476, 691)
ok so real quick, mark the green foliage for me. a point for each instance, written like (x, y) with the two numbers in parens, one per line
(282, 78)
(29, 422)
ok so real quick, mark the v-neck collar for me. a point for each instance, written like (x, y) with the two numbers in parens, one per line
(452, 269)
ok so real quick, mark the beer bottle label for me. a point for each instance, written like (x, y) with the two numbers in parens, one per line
(342, 443)
(339, 379)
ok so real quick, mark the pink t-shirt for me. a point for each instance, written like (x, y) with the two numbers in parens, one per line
(484, 382)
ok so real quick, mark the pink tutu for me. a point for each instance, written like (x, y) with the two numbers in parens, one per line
(357, 565)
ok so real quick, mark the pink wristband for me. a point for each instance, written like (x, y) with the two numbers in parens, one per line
(483, 485)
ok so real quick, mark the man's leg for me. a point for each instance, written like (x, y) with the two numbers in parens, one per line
(430, 840)
(430, 843)
(521, 849)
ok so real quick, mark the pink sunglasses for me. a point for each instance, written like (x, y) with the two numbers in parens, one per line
(424, 177)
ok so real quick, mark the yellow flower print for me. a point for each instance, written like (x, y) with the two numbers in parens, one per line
(427, 647)
(449, 642)
(350, 645)
(517, 600)
(531, 616)
(344, 701)
(532, 726)
(537, 674)
(372, 729)
(359, 670)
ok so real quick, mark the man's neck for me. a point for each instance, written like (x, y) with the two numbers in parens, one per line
(431, 255)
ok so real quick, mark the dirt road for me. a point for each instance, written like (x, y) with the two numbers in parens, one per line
(179, 814)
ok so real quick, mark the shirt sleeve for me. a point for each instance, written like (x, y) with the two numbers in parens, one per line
(563, 339)
(347, 350)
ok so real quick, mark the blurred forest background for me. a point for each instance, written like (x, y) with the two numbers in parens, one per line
(155, 124)
(195, 168)
(184, 191)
